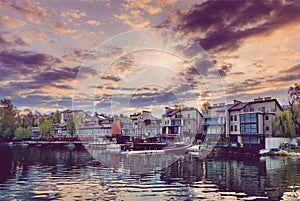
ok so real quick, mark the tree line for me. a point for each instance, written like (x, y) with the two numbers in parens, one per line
(288, 121)
(14, 125)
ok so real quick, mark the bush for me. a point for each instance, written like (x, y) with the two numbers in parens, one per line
(21, 133)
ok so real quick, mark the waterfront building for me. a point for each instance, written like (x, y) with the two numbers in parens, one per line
(59, 130)
(35, 132)
(145, 124)
(98, 128)
(246, 123)
(80, 115)
(126, 125)
(214, 124)
(251, 122)
(183, 122)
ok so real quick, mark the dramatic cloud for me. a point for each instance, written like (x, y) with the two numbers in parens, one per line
(50, 47)
(27, 58)
(7, 40)
(223, 25)
(224, 69)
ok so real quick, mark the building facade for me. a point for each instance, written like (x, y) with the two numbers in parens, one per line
(145, 124)
(182, 122)
(247, 123)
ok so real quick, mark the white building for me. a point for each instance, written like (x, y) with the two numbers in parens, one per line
(183, 122)
(247, 123)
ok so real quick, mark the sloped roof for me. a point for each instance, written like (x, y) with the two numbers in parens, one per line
(238, 106)
(171, 113)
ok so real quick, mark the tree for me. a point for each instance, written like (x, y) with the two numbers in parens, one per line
(284, 124)
(71, 127)
(46, 127)
(21, 133)
(294, 102)
(57, 117)
(206, 108)
(8, 119)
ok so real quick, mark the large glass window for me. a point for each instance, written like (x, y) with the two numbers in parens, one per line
(248, 128)
(245, 118)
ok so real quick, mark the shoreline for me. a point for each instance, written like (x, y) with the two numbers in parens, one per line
(285, 153)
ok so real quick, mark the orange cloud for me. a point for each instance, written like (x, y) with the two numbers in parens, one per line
(28, 9)
(11, 22)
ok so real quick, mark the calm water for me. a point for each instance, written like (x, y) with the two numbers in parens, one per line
(35, 173)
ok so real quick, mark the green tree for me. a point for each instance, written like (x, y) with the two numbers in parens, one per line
(46, 127)
(294, 102)
(71, 125)
(21, 133)
(8, 119)
(57, 117)
(205, 109)
(284, 124)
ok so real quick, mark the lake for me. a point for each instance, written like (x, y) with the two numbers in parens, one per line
(47, 173)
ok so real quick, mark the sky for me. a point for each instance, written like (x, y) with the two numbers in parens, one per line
(127, 56)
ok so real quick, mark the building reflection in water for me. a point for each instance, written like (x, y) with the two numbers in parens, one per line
(37, 173)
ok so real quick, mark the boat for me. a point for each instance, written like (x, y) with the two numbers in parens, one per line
(263, 152)
(177, 148)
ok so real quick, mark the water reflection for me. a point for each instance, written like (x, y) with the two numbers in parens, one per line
(64, 174)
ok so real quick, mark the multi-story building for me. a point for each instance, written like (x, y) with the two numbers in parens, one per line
(80, 115)
(144, 123)
(214, 124)
(126, 125)
(59, 130)
(183, 122)
(250, 122)
(89, 129)
(247, 123)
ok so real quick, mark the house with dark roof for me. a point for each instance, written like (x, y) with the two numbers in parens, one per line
(247, 123)
(251, 122)
(181, 122)
(145, 124)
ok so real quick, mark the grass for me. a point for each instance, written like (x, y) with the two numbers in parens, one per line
(294, 150)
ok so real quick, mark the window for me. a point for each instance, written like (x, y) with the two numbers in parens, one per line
(245, 110)
(263, 109)
(189, 116)
(235, 127)
(231, 118)
(251, 109)
(267, 128)
(231, 128)
(267, 117)
(235, 117)
(176, 122)
(245, 118)
(189, 122)
(189, 130)
(248, 128)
